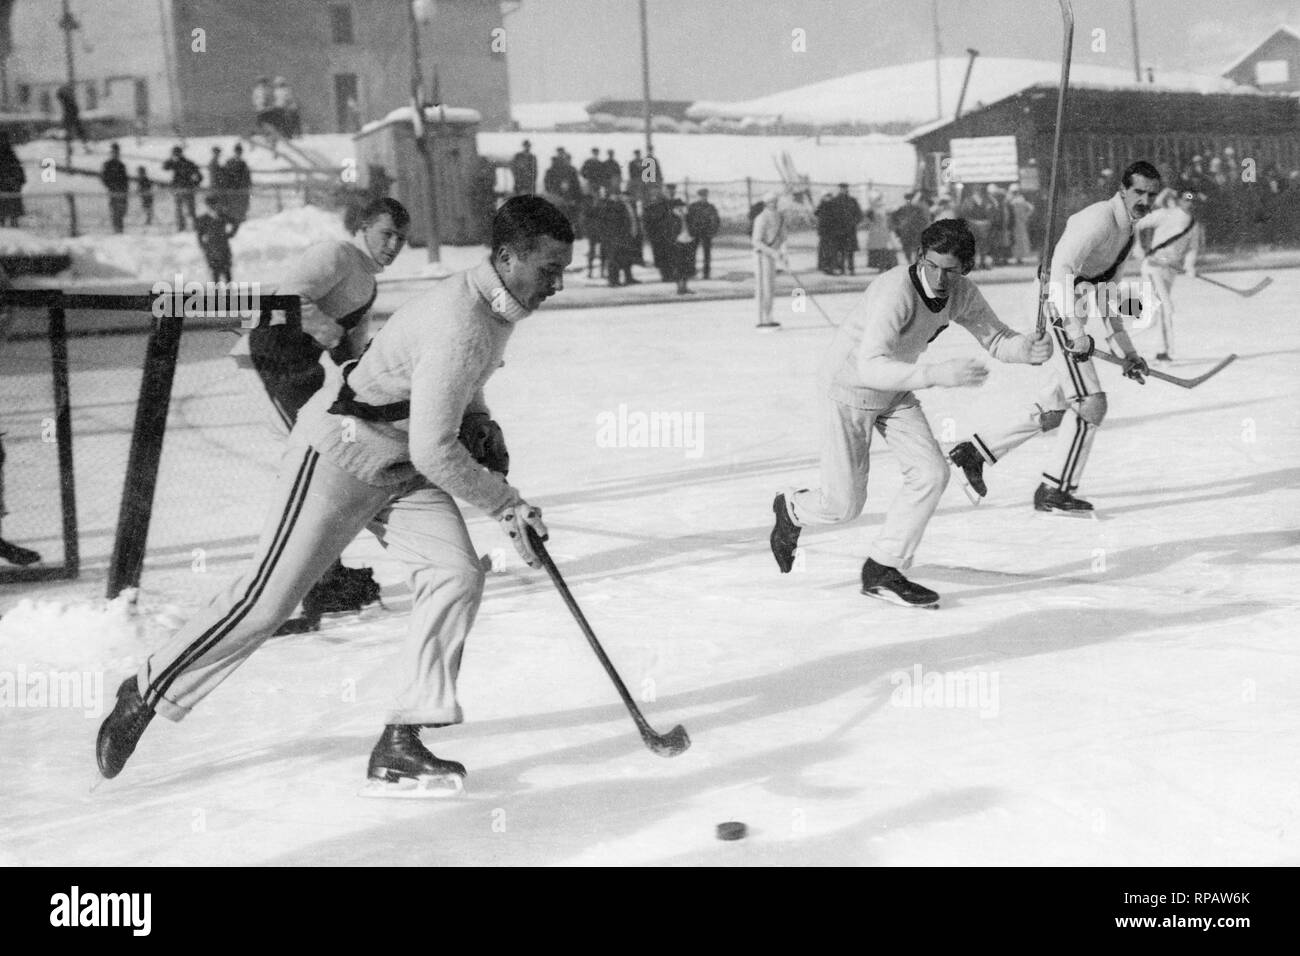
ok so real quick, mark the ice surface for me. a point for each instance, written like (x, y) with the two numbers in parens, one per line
(1132, 680)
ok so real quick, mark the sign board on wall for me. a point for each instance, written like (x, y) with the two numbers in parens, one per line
(984, 159)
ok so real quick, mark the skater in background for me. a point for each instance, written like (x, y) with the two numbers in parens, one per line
(872, 365)
(1176, 238)
(402, 436)
(214, 230)
(335, 282)
(117, 181)
(767, 237)
(1093, 247)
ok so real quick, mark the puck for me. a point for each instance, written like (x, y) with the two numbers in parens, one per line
(731, 830)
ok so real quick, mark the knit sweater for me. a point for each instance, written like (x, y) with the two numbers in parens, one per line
(872, 360)
(436, 352)
(334, 278)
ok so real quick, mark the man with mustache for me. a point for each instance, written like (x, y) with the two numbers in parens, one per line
(1092, 249)
(387, 449)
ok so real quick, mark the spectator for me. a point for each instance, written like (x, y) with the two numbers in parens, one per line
(879, 254)
(145, 189)
(239, 187)
(703, 221)
(12, 180)
(908, 222)
(72, 125)
(523, 167)
(186, 178)
(264, 107)
(593, 173)
(942, 208)
(213, 231)
(846, 214)
(978, 213)
(597, 227)
(613, 174)
(1021, 211)
(1000, 231)
(682, 247)
(118, 183)
(652, 168)
(825, 216)
(635, 184)
(622, 239)
(561, 185)
(659, 229)
(483, 198)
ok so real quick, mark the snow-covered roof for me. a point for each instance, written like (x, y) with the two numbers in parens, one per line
(454, 115)
(1255, 48)
(905, 92)
(549, 115)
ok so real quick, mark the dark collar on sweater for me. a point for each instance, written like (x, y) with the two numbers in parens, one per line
(934, 305)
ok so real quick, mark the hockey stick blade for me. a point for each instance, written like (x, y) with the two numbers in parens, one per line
(1257, 288)
(671, 744)
(1173, 379)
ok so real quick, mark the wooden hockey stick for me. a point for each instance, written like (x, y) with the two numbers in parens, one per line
(1172, 379)
(1053, 189)
(803, 286)
(1258, 287)
(671, 744)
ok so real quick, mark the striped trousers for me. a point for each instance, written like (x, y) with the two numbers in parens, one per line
(317, 510)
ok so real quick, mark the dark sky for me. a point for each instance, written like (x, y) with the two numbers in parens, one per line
(737, 49)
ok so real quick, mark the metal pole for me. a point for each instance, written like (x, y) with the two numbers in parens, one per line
(67, 23)
(961, 97)
(938, 54)
(1137, 60)
(422, 138)
(645, 76)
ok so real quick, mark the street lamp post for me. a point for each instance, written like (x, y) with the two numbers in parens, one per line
(422, 12)
(68, 23)
(645, 77)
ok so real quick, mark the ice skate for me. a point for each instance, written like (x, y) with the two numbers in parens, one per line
(341, 589)
(888, 584)
(1055, 501)
(784, 537)
(122, 729)
(402, 767)
(969, 463)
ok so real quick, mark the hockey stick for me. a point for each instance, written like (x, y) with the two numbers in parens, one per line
(671, 744)
(1258, 287)
(1053, 189)
(1172, 379)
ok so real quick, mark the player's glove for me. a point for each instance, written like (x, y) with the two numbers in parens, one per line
(486, 444)
(1081, 348)
(1135, 367)
(514, 518)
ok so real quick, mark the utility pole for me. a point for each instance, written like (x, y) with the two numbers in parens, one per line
(1137, 60)
(68, 23)
(417, 126)
(645, 76)
(938, 70)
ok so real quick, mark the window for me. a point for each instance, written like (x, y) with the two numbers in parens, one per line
(47, 103)
(341, 23)
(1271, 71)
(24, 95)
(91, 97)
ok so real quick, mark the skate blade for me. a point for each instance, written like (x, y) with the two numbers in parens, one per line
(420, 788)
(889, 597)
(966, 488)
(1076, 515)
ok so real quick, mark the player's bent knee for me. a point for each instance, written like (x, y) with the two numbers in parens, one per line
(1092, 408)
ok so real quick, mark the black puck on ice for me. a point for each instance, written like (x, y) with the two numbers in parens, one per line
(731, 830)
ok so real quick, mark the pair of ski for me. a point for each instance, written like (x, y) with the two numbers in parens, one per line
(671, 744)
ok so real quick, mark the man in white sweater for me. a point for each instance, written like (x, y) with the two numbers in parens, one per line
(873, 372)
(386, 451)
(1175, 240)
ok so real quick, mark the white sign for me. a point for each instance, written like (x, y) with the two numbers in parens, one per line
(984, 159)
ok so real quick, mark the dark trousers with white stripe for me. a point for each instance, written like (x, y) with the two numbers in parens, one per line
(1069, 383)
(317, 510)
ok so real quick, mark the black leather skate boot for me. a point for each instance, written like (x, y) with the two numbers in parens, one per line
(971, 463)
(1050, 499)
(888, 584)
(400, 755)
(784, 537)
(122, 729)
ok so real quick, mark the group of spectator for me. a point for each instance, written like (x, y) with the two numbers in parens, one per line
(229, 188)
(620, 209)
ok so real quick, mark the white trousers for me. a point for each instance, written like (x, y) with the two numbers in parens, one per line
(845, 462)
(764, 286)
(318, 509)
(1162, 282)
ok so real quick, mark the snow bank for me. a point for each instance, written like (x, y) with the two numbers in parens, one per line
(80, 635)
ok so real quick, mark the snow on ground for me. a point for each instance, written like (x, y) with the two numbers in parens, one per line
(1110, 692)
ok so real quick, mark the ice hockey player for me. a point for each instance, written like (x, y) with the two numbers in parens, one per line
(873, 373)
(1175, 238)
(1093, 246)
(335, 281)
(384, 450)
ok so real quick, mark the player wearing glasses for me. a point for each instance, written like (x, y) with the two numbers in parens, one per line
(873, 375)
